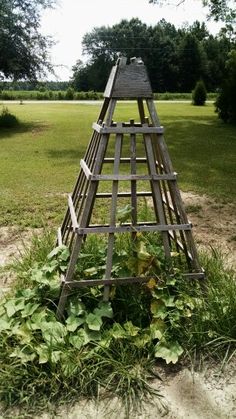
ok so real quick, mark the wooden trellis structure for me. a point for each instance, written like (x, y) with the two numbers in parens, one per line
(125, 140)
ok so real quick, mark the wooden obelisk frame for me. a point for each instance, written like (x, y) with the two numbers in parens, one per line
(126, 81)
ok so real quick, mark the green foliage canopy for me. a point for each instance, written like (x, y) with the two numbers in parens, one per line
(168, 53)
(226, 101)
(23, 50)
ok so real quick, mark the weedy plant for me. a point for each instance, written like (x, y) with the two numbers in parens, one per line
(107, 348)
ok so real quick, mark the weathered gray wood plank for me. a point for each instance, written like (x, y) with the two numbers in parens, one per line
(127, 130)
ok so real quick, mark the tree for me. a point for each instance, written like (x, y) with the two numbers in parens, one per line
(190, 62)
(176, 59)
(218, 9)
(226, 100)
(23, 50)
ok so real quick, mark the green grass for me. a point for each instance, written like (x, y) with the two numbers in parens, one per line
(106, 349)
(40, 160)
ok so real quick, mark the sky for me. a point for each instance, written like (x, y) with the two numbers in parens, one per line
(68, 22)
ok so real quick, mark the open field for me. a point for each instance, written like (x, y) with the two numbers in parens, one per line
(40, 160)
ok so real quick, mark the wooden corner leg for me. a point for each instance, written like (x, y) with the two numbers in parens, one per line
(62, 302)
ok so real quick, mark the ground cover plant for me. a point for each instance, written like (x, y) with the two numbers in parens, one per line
(108, 349)
(40, 159)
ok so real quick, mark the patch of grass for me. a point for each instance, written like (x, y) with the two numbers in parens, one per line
(106, 349)
(212, 330)
(44, 158)
(193, 209)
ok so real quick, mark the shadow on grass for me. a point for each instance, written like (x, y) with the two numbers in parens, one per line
(22, 128)
(67, 154)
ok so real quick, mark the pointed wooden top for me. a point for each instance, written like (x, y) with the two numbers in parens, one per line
(128, 81)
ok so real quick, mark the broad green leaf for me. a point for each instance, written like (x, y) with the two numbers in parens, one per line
(104, 310)
(73, 322)
(90, 271)
(53, 332)
(2, 310)
(13, 305)
(28, 293)
(78, 340)
(29, 309)
(169, 352)
(37, 319)
(50, 267)
(124, 213)
(171, 280)
(117, 331)
(38, 276)
(76, 307)
(43, 353)
(158, 309)
(92, 335)
(5, 323)
(93, 321)
(142, 340)
(168, 300)
(131, 329)
(24, 333)
(57, 251)
(64, 256)
(55, 356)
(23, 355)
(157, 328)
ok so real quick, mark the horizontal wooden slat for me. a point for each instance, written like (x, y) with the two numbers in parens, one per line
(168, 176)
(112, 281)
(75, 224)
(127, 130)
(125, 160)
(123, 194)
(129, 228)
(123, 281)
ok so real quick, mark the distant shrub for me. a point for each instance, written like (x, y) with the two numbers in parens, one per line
(70, 94)
(199, 95)
(7, 119)
(7, 95)
(60, 95)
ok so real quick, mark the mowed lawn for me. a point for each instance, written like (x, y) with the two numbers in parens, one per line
(39, 162)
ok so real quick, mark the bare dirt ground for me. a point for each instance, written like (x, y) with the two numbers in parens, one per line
(208, 394)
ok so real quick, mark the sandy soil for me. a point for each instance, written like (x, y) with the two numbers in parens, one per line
(205, 395)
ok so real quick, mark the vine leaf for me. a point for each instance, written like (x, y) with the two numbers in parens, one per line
(124, 213)
(104, 310)
(94, 322)
(73, 322)
(169, 352)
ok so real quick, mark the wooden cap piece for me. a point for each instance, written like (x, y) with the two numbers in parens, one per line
(128, 81)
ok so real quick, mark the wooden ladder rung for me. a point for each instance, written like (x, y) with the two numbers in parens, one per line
(127, 130)
(168, 176)
(121, 281)
(124, 228)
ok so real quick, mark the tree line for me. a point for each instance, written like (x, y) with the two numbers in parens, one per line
(176, 58)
